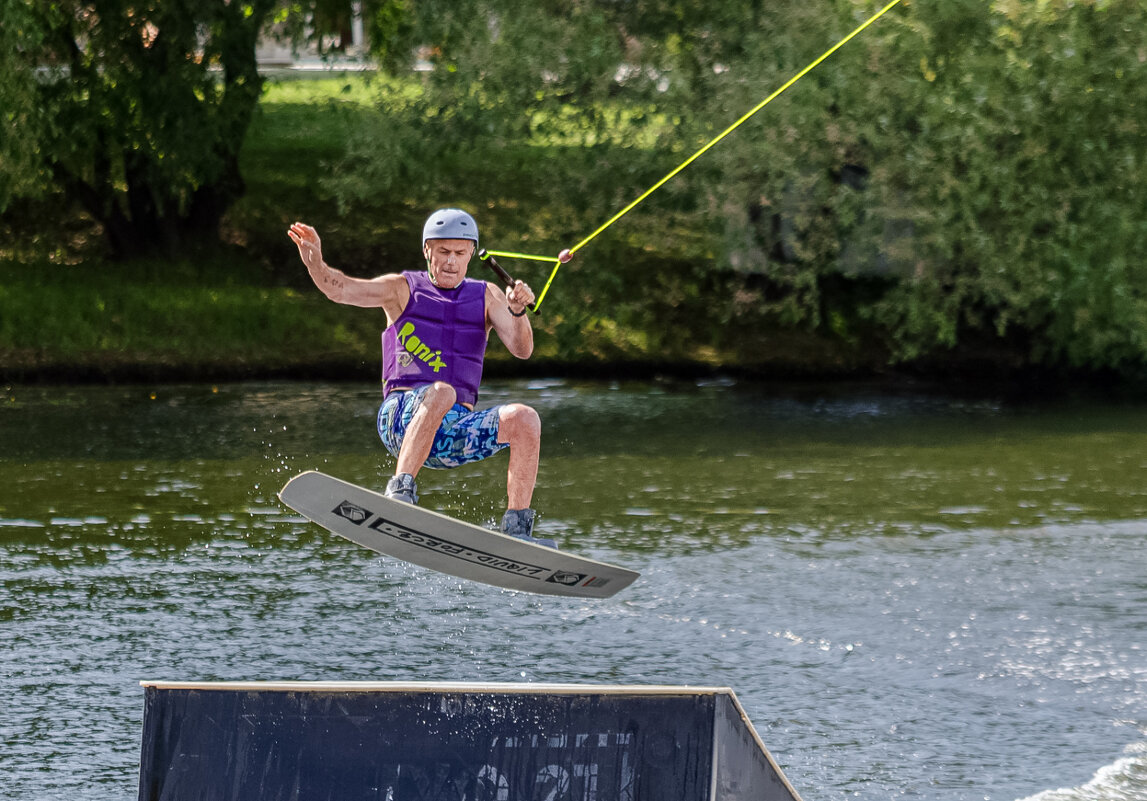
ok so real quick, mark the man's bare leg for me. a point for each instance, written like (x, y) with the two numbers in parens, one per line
(424, 425)
(520, 426)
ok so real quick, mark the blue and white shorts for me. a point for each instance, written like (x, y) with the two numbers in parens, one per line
(465, 436)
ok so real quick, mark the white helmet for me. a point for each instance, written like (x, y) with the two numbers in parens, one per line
(450, 224)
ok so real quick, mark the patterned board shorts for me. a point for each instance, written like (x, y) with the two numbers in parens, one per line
(465, 436)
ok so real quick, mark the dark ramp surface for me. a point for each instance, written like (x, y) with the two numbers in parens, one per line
(426, 742)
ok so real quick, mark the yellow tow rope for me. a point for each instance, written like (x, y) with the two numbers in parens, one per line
(567, 254)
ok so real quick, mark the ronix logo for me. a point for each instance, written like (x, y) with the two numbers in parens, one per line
(419, 349)
(353, 512)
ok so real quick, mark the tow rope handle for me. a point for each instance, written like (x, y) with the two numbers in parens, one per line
(562, 258)
(503, 276)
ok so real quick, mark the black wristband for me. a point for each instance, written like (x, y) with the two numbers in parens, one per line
(521, 313)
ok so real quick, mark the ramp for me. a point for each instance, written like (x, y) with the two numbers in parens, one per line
(383, 741)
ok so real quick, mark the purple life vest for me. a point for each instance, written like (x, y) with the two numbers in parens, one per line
(440, 336)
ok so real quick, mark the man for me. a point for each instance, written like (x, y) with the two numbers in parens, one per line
(438, 326)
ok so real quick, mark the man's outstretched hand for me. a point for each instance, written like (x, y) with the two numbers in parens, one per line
(308, 242)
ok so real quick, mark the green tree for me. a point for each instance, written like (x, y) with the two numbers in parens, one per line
(504, 74)
(981, 164)
(1021, 170)
(20, 120)
(136, 110)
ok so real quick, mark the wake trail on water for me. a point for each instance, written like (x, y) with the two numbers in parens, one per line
(1122, 780)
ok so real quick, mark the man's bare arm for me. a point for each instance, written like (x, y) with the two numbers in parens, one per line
(515, 331)
(388, 292)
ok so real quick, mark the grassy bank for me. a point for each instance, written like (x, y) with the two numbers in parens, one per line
(170, 318)
(227, 319)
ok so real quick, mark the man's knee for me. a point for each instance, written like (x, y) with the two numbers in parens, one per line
(439, 398)
(519, 422)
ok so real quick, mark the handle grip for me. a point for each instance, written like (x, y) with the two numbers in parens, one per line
(499, 271)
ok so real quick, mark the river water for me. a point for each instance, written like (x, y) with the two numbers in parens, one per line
(913, 596)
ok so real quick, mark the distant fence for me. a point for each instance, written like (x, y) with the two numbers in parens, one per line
(433, 742)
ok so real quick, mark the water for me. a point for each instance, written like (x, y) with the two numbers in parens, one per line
(914, 597)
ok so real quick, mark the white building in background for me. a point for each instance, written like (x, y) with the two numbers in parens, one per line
(345, 48)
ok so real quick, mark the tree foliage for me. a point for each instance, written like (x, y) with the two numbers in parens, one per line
(137, 109)
(986, 163)
(20, 120)
(981, 164)
(1026, 178)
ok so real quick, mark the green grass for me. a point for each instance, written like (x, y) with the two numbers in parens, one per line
(203, 316)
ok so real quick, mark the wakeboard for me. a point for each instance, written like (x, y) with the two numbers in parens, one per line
(438, 542)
